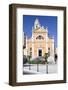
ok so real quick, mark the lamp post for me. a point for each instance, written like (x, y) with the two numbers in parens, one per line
(46, 56)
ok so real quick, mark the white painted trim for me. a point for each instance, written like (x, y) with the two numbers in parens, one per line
(32, 45)
(26, 47)
(53, 47)
(46, 42)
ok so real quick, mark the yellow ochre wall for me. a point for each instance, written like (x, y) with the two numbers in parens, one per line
(38, 43)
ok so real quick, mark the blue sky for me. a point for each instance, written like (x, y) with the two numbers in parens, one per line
(46, 21)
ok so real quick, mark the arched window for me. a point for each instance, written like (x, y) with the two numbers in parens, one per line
(39, 37)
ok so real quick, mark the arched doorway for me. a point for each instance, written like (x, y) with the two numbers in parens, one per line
(39, 52)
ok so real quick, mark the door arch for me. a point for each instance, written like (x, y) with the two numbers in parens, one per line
(39, 52)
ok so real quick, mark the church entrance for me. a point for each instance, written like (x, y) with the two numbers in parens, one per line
(40, 52)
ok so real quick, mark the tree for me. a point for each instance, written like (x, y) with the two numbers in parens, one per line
(46, 56)
(24, 59)
(29, 57)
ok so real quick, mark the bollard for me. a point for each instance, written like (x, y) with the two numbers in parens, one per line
(37, 67)
(29, 67)
(47, 68)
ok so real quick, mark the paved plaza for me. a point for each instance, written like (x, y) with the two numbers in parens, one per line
(40, 68)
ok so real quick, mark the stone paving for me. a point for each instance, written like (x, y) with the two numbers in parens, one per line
(40, 69)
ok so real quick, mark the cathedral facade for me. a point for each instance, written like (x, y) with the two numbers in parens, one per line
(39, 43)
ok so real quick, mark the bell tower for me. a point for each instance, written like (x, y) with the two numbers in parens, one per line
(36, 24)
